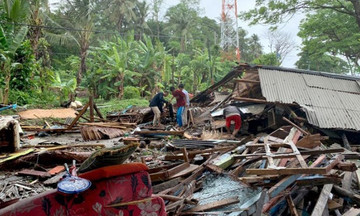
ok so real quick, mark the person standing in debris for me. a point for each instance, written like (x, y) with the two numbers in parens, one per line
(232, 114)
(187, 104)
(180, 103)
(156, 105)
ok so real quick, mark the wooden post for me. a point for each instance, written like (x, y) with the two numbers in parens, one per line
(91, 102)
(78, 116)
(186, 157)
(322, 201)
(98, 111)
(296, 126)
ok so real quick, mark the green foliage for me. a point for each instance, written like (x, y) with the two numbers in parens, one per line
(22, 75)
(325, 42)
(116, 105)
(65, 88)
(131, 92)
(267, 59)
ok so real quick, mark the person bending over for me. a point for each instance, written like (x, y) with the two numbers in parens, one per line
(232, 114)
(156, 105)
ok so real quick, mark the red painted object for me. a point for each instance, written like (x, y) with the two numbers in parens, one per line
(129, 183)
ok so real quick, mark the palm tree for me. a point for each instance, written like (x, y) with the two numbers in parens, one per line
(11, 37)
(181, 20)
(38, 8)
(141, 13)
(79, 16)
(120, 12)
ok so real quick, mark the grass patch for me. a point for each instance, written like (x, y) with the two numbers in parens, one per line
(116, 105)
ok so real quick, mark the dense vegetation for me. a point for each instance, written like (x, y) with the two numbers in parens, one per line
(125, 49)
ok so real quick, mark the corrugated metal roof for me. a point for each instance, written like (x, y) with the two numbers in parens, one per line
(329, 102)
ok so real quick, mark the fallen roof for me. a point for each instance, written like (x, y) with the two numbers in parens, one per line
(329, 100)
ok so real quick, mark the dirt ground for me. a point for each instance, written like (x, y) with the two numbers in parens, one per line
(48, 113)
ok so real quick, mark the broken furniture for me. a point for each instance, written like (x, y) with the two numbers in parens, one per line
(122, 189)
(9, 134)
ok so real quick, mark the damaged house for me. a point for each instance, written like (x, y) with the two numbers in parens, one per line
(322, 102)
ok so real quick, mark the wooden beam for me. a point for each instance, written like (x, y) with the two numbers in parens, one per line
(176, 133)
(98, 112)
(260, 203)
(268, 155)
(352, 212)
(248, 81)
(347, 193)
(322, 200)
(186, 156)
(91, 102)
(290, 155)
(286, 171)
(176, 198)
(292, 206)
(253, 100)
(214, 205)
(78, 116)
(295, 125)
(318, 180)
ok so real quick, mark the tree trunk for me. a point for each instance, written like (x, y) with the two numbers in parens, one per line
(120, 78)
(182, 42)
(356, 4)
(194, 84)
(82, 69)
(6, 69)
(84, 46)
(35, 33)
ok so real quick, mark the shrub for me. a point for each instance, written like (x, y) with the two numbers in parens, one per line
(131, 92)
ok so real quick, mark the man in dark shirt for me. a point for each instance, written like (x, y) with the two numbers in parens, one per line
(180, 103)
(156, 105)
(232, 114)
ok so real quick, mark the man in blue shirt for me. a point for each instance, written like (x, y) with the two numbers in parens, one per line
(156, 105)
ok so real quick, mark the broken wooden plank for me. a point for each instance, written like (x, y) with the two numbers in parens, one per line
(16, 155)
(296, 126)
(322, 200)
(215, 169)
(157, 132)
(287, 181)
(214, 205)
(56, 170)
(78, 116)
(286, 171)
(290, 155)
(347, 193)
(248, 81)
(352, 212)
(176, 198)
(165, 185)
(55, 179)
(35, 173)
(333, 205)
(317, 180)
(260, 203)
(292, 206)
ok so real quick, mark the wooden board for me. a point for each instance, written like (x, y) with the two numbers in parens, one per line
(48, 113)
(322, 201)
(352, 212)
(214, 205)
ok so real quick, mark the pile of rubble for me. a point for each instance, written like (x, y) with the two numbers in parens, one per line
(285, 162)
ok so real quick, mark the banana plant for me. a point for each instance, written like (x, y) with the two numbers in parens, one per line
(11, 38)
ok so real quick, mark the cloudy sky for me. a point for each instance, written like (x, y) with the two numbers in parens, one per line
(212, 9)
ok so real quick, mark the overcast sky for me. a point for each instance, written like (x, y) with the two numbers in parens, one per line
(212, 9)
